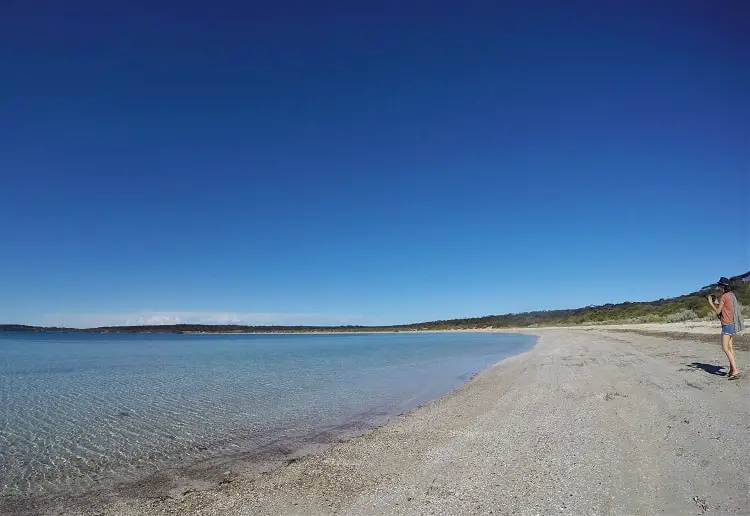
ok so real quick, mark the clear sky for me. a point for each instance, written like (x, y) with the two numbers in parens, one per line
(366, 162)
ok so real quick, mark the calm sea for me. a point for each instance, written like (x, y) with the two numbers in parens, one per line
(77, 410)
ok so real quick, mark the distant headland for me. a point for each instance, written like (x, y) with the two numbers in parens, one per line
(681, 308)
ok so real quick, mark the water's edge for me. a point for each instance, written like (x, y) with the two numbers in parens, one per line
(211, 473)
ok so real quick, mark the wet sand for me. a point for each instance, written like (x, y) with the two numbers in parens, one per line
(587, 422)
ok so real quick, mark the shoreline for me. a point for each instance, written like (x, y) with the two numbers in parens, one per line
(190, 475)
(584, 422)
(338, 476)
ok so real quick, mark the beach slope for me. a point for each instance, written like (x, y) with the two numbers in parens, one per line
(587, 422)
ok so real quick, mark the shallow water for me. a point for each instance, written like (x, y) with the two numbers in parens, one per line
(80, 409)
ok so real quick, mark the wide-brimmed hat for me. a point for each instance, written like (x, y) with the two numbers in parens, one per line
(724, 282)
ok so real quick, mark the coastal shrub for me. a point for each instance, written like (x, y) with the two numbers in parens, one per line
(649, 318)
(682, 315)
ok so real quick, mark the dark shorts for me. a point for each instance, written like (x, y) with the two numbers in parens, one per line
(727, 329)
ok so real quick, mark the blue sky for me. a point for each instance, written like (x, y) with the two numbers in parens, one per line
(382, 162)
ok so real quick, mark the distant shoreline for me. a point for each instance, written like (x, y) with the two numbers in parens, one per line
(687, 308)
(168, 330)
(697, 327)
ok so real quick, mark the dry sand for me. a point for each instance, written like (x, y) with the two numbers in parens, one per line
(587, 422)
(702, 326)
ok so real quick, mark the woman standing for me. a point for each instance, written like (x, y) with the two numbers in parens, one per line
(724, 308)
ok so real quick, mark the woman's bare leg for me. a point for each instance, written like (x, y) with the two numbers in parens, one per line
(727, 344)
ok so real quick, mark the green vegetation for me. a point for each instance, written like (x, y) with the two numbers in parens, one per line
(682, 308)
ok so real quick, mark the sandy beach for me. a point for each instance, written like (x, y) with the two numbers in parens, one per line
(587, 422)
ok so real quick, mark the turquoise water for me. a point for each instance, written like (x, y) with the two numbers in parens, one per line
(80, 409)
